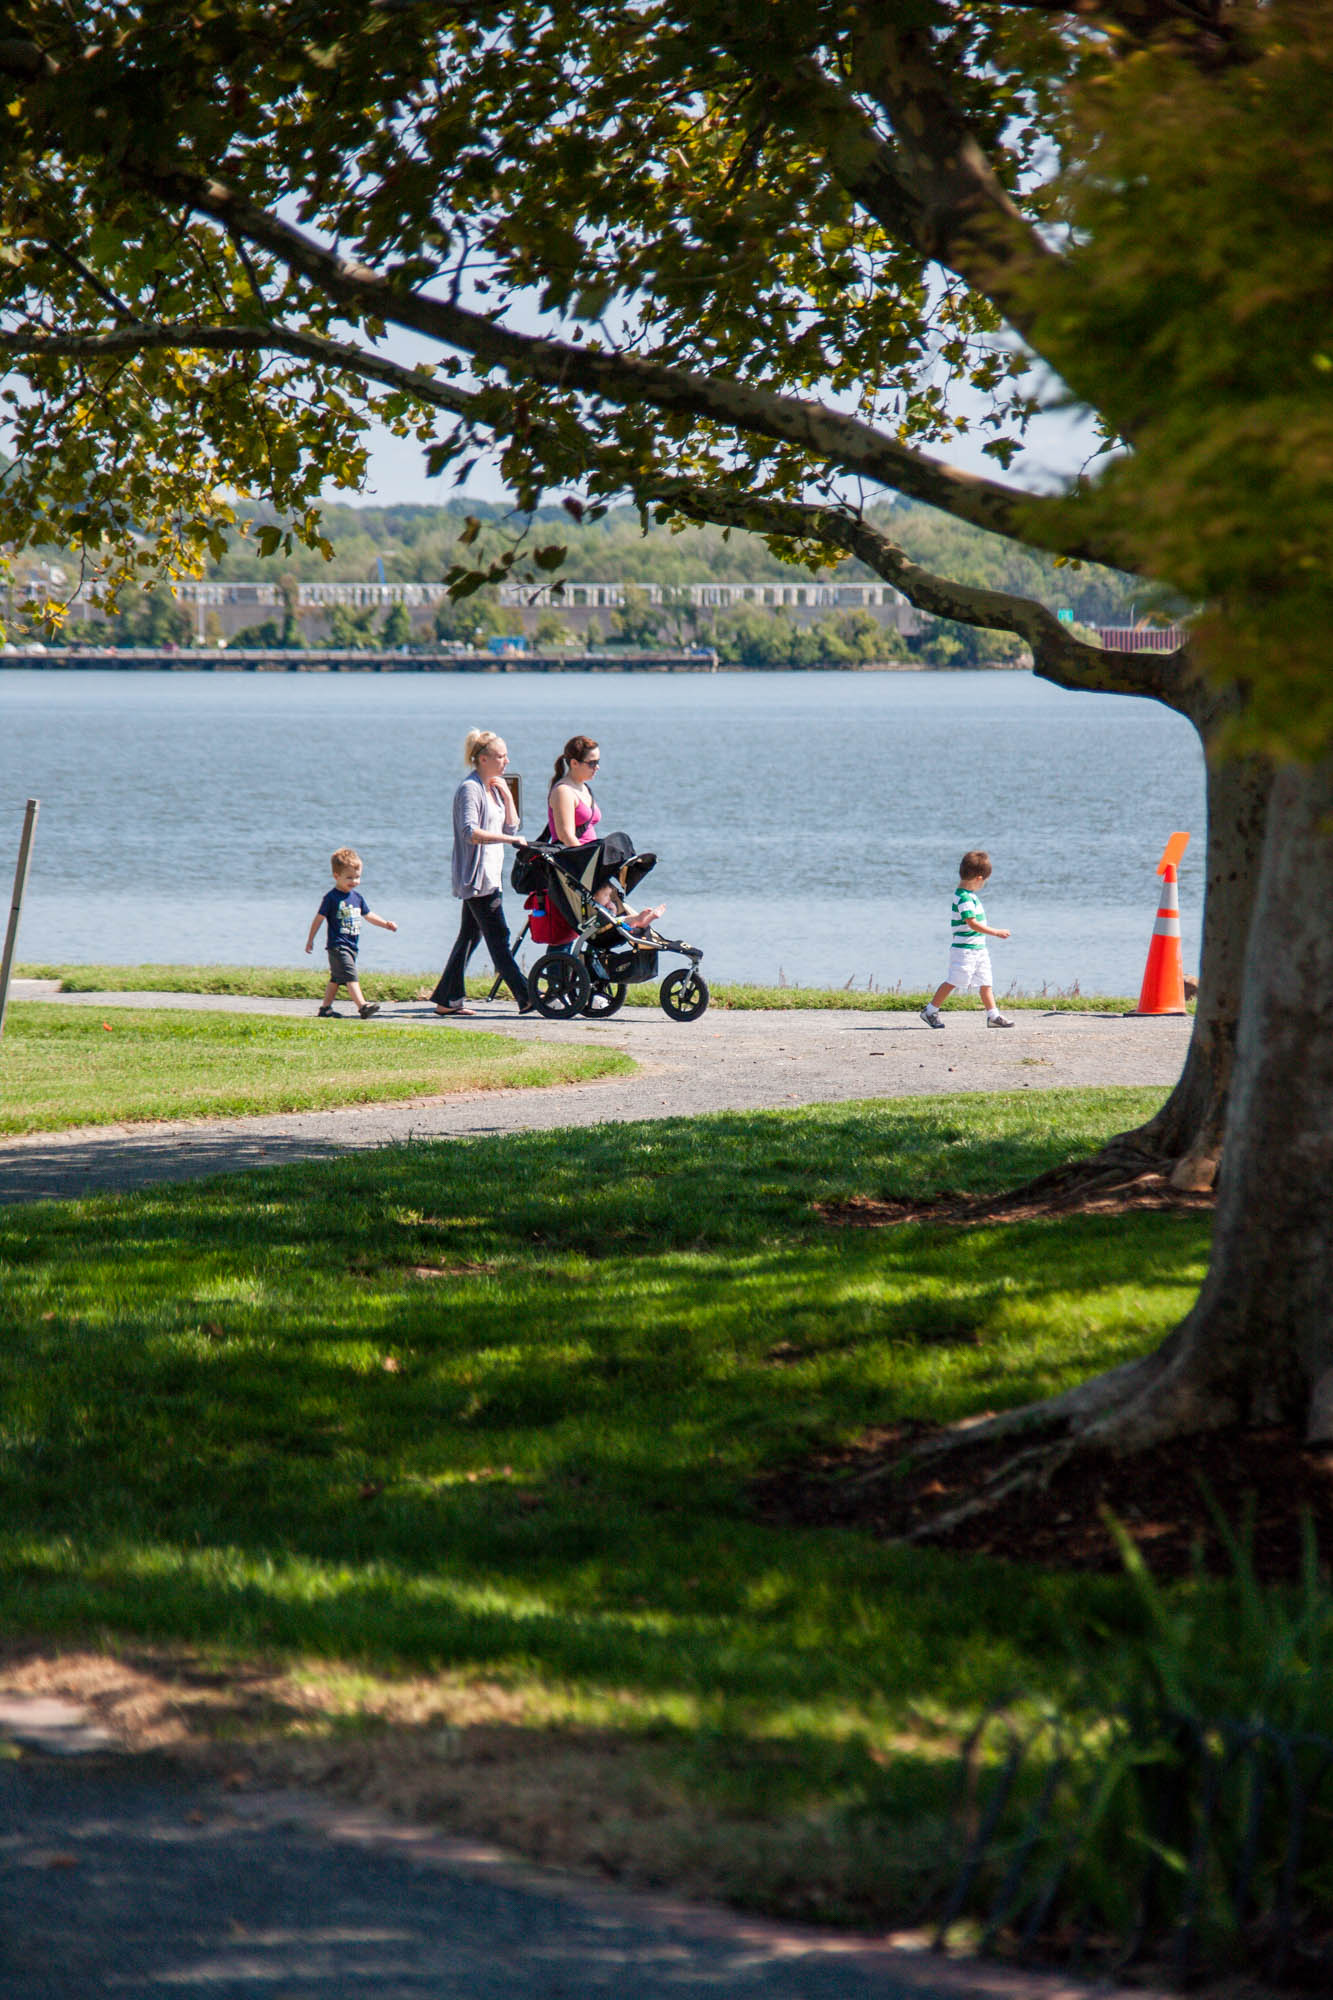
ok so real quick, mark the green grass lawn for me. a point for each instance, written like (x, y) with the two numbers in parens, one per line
(273, 982)
(475, 1425)
(63, 1066)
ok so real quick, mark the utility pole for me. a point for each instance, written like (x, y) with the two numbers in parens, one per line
(20, 883)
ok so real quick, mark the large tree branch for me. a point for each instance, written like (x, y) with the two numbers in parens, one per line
(24, 61)
(1143, 15)
(241, 338)
(627, 380)
(1058, 655)
(934, 187)
(1138, 20)
(834, 438)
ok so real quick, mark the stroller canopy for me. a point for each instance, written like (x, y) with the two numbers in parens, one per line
(569, 876)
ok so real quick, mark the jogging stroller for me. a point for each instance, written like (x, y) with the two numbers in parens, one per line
(603, 958)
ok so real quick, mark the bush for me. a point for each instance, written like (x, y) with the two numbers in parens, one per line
(753, 636)
(352, 631)
(945, 644)
(266, 635)
(471, 620)
(150, 618)
(1185, 1804)
(397, 629)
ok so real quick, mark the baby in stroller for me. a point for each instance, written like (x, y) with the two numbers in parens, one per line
(610, 899)
(612, 947)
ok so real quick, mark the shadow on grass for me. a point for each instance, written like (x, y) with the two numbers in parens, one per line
(66, 1170)
(238, 1414)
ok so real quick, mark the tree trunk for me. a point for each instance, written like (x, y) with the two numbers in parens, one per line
(1258, 1346)
(1188, 1128)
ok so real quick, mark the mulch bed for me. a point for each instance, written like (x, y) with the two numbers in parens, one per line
(1158, 1496)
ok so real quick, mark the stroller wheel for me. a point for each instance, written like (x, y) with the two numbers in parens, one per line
(604, 1000)
(683, 994)
(559, 986)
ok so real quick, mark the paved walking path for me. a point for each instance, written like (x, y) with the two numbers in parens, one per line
(726, 1061)
(136, 1878)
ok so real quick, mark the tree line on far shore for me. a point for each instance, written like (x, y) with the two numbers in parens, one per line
(418, 544)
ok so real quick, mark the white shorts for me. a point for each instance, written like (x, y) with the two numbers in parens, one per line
(969, 968)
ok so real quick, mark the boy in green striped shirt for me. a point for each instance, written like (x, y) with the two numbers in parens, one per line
(969, 959)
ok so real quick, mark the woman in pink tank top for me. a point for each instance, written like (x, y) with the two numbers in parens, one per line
(571, 819)
(572, 812)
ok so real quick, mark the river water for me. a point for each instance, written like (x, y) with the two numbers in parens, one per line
(808, 825)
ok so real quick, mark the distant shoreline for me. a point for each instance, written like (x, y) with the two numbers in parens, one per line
(324, 660)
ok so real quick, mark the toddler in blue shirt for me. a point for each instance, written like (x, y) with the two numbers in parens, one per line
(342, 910)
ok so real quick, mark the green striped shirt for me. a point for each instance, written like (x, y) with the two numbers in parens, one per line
(965, 905)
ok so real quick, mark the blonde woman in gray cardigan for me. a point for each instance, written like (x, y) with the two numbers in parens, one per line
(485, 823)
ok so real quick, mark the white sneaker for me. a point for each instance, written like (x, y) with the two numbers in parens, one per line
(932, 1017)
(998, 1021)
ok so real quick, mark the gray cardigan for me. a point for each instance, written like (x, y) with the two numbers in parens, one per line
(474, 807)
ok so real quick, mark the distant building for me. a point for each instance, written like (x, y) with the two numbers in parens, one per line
(1140, 638)
(807, 600)
(586, 606)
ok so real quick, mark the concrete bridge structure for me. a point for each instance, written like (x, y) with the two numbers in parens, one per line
(222, 608)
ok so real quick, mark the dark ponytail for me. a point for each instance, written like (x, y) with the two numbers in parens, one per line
(574, 751)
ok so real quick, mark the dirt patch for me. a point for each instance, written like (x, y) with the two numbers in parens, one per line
(1059, 1194)
(468, 1757)
(881, 1484)
(464, 1270)
(145, 1700)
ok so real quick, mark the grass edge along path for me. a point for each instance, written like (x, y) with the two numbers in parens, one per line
(426, 1475)
(63, 1068)
(274, 983)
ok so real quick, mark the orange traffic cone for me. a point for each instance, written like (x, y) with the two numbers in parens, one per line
(1163, 989)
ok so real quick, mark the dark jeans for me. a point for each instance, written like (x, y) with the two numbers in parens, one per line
(484, 917)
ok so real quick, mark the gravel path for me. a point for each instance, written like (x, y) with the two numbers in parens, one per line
(723, 1062)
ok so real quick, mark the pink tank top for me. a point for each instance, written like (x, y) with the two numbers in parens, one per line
(585, 819)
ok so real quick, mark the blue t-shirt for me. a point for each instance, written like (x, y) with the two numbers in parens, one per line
(341, 910)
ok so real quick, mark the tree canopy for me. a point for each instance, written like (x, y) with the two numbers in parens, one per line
(728, 262)
(761, 246)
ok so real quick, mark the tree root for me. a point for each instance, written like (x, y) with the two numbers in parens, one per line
(1032, 1468)
(1116, 1415)
(1196, 1172)
(1121, 1168)
(1117, 1165)
(1063, 1418)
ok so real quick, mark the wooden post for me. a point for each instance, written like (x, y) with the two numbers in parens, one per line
(20, 883)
